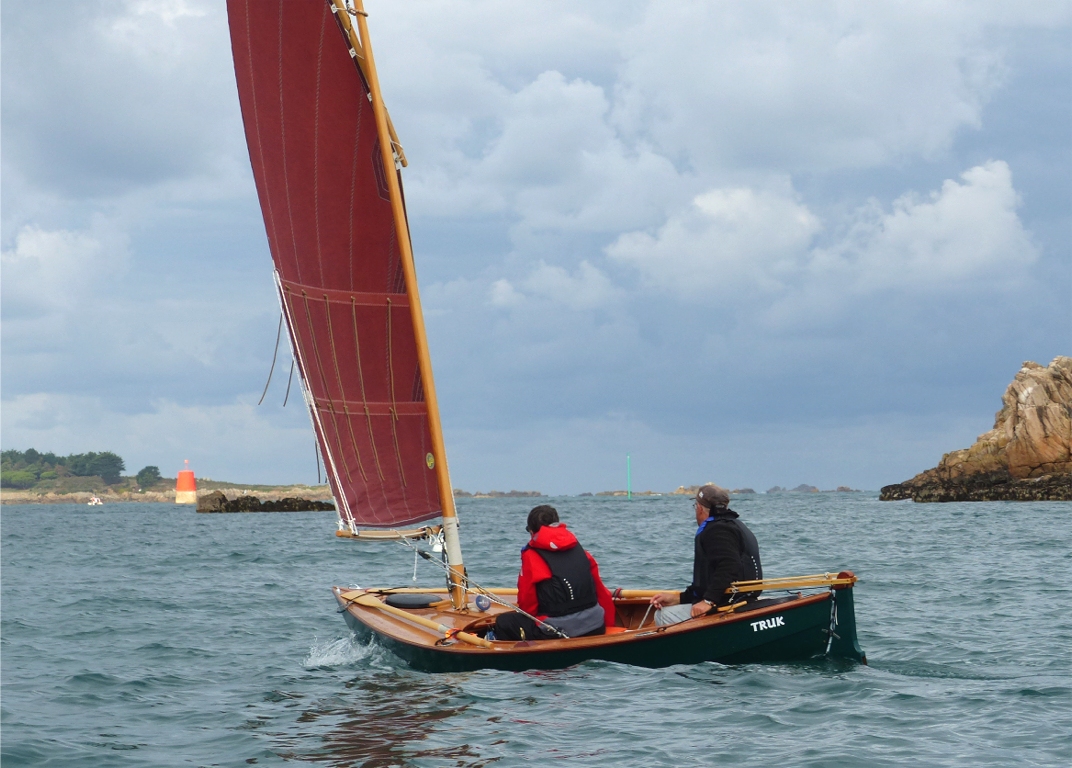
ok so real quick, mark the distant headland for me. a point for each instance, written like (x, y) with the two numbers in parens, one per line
(460, 494)
(1027, 456)
(36, 477)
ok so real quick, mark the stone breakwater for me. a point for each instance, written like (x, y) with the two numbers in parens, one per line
(1027, 456)
(218, 502)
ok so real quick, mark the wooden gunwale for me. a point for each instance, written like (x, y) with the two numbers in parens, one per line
(814, 581)
(401, 631)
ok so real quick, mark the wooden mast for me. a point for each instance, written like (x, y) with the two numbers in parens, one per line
(362, 50)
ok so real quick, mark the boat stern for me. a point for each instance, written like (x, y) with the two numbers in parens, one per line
(843, 641)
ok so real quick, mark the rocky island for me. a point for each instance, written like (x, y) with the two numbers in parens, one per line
(1027, 456)
(217, 501)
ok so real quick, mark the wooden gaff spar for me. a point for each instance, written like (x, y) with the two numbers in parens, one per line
(327, 163)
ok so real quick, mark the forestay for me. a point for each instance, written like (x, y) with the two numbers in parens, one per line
(323, 191)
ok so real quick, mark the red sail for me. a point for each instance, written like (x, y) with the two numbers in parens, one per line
(323, 192)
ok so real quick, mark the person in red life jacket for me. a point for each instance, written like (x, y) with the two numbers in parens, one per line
(559, 584)
(725, 551)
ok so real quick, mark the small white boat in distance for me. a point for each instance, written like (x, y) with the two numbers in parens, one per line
(95, 502)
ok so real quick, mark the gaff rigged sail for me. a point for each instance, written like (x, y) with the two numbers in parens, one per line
(323, 191)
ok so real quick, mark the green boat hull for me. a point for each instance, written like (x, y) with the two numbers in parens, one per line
(797, 630)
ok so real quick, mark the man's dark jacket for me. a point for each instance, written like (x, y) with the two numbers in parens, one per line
(726, 551)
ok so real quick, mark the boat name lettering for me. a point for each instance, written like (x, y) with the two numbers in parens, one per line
(777, 621)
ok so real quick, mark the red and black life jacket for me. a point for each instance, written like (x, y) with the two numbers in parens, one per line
(571, 587)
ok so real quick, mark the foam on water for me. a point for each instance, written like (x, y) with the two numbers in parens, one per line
(340, 652)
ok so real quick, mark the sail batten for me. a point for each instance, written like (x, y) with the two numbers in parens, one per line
(319, 170)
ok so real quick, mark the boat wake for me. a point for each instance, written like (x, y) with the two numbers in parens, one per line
(340, 652)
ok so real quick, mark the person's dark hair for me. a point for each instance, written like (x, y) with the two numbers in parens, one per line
(540, 516)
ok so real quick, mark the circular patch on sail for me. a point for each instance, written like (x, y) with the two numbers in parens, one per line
(430, 461)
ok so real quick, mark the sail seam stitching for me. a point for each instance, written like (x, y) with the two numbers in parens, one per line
(342, 391)
(273, 237)
(364, 396)
(283, 148)
(394, 406)
(327, 390)
(310, 401)
(316, 146)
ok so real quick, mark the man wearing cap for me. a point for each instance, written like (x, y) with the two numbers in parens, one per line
(725, 551)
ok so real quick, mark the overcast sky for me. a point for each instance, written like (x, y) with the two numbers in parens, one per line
(753, 243)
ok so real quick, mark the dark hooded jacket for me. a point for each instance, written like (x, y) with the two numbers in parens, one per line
(725, 551)
(537, 591)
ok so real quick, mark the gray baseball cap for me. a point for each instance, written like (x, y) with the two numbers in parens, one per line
(713, 497)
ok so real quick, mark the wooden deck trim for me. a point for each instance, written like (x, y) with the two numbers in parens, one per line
(410, 636)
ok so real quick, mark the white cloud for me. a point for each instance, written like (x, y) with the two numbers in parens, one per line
(757, 245)
(143, 94)
(727, 239)
(151, 29)
(963, 233)
(587, 288)
(552, 162)
(60, 270)
(591, 121)
(805, 86)
(503, 294)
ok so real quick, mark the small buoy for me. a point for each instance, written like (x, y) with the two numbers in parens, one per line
(186, 486)
(483, 602)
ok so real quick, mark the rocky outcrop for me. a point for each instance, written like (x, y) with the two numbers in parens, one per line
(218, 502)
(993, 486)
(1026, 456)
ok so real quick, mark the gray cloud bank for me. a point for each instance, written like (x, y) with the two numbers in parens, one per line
(757, 244)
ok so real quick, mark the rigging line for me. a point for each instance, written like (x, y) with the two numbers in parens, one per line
(316, 452)
(327, 390)
(286, 304)
(361, 381)
(342, 392)
(290, 378)
(278, 334)
(472, 586)
(394, 405)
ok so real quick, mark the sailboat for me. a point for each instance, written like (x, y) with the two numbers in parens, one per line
(327, 163)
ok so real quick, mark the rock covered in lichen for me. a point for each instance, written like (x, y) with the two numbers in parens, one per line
(1026, 456)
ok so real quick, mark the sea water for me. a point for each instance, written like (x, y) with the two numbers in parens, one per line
(150, 635)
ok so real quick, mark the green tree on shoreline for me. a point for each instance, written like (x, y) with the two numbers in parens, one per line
(24, 469)
(148, 476)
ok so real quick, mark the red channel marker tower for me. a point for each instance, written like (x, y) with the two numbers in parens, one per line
(186, 486)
